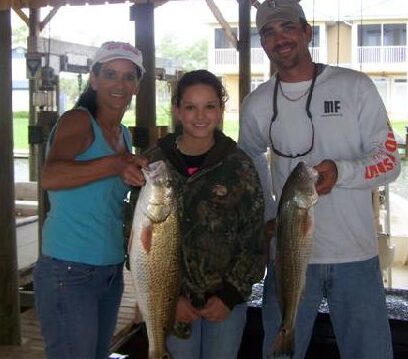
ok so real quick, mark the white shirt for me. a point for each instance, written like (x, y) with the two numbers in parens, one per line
(350, 127)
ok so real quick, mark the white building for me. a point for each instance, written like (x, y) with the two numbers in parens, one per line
(366, 35)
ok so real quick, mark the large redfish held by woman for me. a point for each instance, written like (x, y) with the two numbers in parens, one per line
(154, 256)
(294, 226)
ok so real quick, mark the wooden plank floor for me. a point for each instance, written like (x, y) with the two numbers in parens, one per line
(33, 345)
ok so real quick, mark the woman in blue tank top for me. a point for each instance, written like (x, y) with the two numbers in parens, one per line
(88, 170)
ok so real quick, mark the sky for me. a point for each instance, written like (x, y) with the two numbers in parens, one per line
(184, 19)
(92, 25)
(187, 20)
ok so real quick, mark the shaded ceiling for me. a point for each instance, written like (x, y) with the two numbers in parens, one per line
(34, 4)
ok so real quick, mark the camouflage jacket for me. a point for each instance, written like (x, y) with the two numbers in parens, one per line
(222, 221)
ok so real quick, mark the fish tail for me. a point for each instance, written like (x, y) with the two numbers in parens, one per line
(283, 347)
(156, 355)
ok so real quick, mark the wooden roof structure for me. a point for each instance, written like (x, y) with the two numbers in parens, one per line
(142, 13)
(36, 4)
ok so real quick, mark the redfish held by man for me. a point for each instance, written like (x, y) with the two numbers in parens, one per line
(154, 256)
(294, 227)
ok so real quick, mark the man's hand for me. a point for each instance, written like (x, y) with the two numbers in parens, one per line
(327, 176)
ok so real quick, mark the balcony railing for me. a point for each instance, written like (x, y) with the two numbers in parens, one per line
(382, 54)
(229, 57)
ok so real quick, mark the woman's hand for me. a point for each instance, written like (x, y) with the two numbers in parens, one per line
(185, 312)
(214, 310)
(130, 169)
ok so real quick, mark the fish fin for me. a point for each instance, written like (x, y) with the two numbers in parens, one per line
(138, 317)
(307, 226)
(146, 237)
(157, 355)
(283, 347)
(129, 247)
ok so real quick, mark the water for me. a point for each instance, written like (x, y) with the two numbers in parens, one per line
(21, 170)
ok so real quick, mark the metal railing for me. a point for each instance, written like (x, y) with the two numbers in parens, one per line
(229, 57)
(382, 54)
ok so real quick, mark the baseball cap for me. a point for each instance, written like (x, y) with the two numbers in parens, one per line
(113, 50)
(278, 10)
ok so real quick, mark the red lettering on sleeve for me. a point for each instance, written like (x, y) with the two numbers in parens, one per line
(391, 145)
(386, 164)
(389, 164)
(371, 172)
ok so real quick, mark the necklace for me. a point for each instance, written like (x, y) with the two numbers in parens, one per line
(296, 98)
(307, 109)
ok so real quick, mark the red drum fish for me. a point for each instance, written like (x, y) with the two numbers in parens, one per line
(154, 256)
(294, 227)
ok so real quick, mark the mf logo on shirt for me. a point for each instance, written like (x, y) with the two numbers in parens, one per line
(332, 108)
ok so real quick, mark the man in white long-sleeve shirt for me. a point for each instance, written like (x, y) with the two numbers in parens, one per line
(334, 119)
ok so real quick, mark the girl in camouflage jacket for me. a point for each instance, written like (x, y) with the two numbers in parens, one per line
(222, 221)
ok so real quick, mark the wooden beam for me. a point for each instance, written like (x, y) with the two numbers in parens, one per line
(244, 48)
(21, 14)
(48, 18)
(143, 16)
(224, 24)
(36, 4)
(59, 47)
(255, 3)
(9, 298)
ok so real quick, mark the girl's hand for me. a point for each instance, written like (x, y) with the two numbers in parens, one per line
(214, 310)
(185, 312)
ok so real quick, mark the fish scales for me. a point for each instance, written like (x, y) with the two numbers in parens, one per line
(294, 227)
(154, 256)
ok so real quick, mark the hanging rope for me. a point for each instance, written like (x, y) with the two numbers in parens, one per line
(313, 24)
(79, 78)
(361, 34)
(49, 45)
(338, 31)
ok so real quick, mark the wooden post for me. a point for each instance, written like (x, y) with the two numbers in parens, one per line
(9, 299)
(143, 16)
(33, 32)
(244, 48)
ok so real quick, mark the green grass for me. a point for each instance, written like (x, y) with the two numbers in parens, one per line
(230, 127)
(400, 127)
(20, 129)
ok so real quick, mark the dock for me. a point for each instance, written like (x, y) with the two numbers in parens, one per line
(32, 344)
(27, 234)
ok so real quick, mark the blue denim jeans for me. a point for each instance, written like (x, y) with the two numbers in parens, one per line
(356, 299)
(77, 305)
(211, 340)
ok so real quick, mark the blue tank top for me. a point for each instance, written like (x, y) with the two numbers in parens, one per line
(85, 224)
